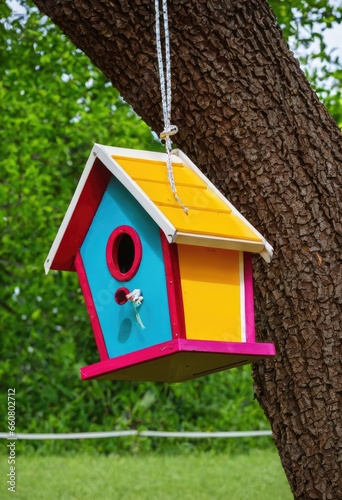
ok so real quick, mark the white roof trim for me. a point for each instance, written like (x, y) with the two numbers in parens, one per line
(69, 212)
(136, 153)
(219, 242)
(267, 253)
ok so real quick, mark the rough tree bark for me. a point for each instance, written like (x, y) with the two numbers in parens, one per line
(250, 120)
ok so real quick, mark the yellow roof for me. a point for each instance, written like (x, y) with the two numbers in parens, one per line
(212, 221)
(208, 213)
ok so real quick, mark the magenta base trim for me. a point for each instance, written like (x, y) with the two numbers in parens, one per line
(178, 360)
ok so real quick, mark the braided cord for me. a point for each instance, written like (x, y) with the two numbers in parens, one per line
(165, 88)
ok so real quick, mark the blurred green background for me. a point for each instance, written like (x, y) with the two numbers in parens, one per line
(54, 105)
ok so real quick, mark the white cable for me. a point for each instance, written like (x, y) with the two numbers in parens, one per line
(165, 89)
(108, 434)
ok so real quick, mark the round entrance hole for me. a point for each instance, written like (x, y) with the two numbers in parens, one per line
(120, 296)
(123, 253)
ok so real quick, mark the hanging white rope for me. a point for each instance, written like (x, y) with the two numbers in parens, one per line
(165, 88)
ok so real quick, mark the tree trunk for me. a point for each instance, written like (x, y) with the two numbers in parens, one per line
(250, 120)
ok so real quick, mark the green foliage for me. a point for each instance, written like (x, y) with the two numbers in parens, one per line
(304, 23)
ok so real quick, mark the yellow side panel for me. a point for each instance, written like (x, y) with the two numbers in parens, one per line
(208, 214)
(211, 288)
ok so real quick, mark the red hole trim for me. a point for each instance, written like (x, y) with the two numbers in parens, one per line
(120, 296)
(112, 251)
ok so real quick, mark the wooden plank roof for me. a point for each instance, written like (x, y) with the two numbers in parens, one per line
(211, 220)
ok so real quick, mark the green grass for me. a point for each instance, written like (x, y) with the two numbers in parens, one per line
(255, 476)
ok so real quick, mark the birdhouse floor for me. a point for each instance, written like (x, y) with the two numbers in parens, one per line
(178, 360)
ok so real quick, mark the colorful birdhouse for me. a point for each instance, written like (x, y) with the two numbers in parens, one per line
(169, 294)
